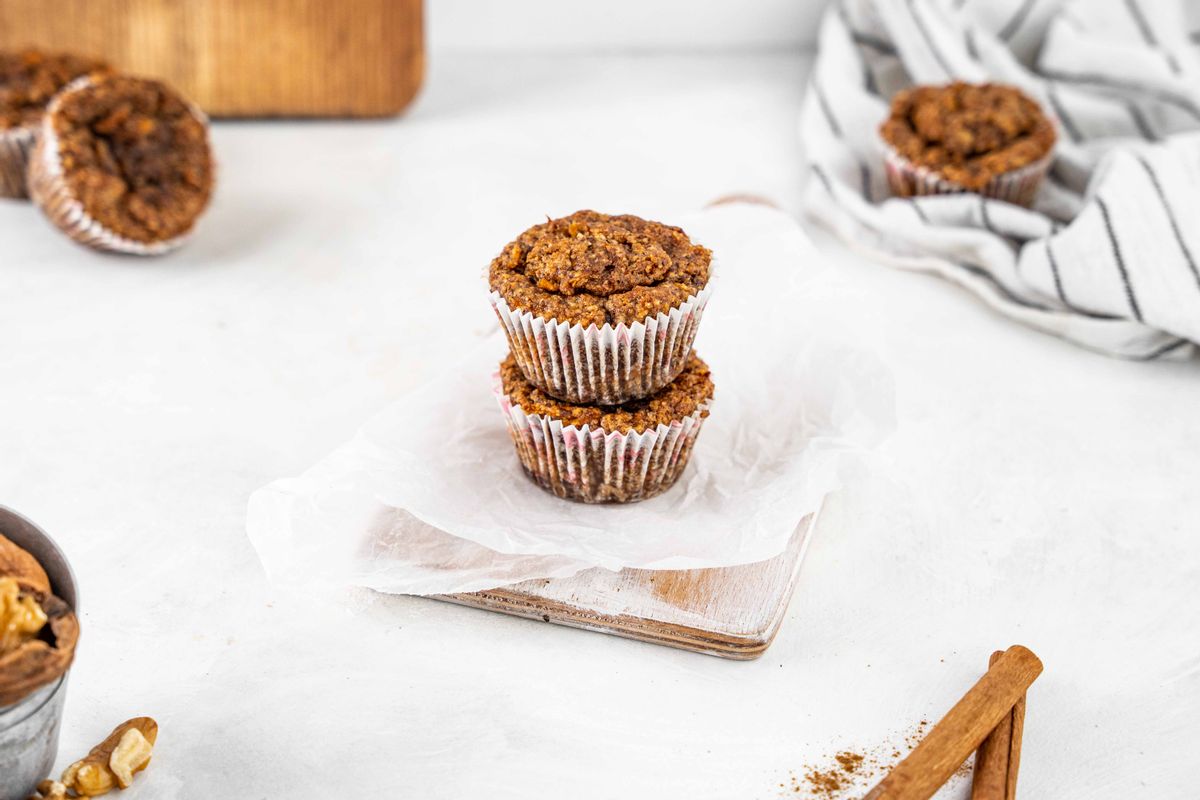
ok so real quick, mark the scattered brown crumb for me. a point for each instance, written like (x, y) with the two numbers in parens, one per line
(849, 773)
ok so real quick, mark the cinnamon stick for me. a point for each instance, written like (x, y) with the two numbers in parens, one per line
(963, 729)
(1014, 747)
(997, 759)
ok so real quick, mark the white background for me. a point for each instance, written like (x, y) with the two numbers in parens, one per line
(1033, 493)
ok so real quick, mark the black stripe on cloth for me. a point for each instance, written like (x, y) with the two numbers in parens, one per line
(1162, 198)
(1063, 117)
(969, 41)
(820, 173)
(928, 36)
(1139, 119)
(1001, 288)
(1109, 82)
(1116, 250)
(1058, 287)
(874, 42)
(1017, 20)
(1162, 351)
(864, 175)
(869, 82)
(916, 206)
(1147, 32)
(1012, 241)
(826, 111)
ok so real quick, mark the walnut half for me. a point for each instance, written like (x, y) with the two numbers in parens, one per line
(21, 618)
(113, 762)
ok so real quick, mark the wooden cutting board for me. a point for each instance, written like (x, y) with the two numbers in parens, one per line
(731, 612)
(244, 58)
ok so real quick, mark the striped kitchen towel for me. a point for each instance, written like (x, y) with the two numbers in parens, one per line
(1109, 256)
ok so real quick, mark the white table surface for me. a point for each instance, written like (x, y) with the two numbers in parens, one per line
(1034, 492)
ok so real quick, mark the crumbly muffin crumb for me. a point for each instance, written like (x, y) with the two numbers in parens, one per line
(968, 133)
(592, 268)
(681, 398)
(136, 156)
(30, 78)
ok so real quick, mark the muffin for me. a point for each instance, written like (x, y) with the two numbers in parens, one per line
(985, 138)
(605, 454)
(38, 631)
(123, 164)
(600, 309)
(28, 80)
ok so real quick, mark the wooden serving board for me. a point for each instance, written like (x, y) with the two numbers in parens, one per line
(731, 612)
(244, 58)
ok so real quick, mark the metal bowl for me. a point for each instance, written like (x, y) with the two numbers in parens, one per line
(29, 728)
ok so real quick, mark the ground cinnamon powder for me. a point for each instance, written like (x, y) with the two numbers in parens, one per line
(849, 773)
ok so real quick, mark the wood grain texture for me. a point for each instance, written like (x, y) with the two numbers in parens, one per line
(244, 58)
(731, 612)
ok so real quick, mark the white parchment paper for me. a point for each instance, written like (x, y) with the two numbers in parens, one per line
(429, 496)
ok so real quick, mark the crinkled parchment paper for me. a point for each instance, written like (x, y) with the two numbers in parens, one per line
(429, 496)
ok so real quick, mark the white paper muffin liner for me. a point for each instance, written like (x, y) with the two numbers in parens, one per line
(602, 365)
(16, 145)
(1019, 186)
(49, 190)
(592, 465)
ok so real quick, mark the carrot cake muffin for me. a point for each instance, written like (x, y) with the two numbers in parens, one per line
(600, 308)
(28, 80)
(123, 164)
(605, 454)
(985, 138)
(38, 631)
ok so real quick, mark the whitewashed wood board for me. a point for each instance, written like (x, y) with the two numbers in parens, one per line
(731, 612)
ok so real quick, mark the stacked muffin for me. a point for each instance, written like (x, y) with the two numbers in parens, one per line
(116, 162)
(601, 393)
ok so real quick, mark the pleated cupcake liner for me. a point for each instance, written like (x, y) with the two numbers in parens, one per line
(49, 189)
(16, 146)
(607, 364)
(592, 465)
(1019, 186)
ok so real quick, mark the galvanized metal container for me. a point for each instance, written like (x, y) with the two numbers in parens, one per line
(29, 729)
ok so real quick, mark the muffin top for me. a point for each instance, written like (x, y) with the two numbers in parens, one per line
(592, 268)
(681, 398)
(136, 155)
(968, 133)
(29, 78)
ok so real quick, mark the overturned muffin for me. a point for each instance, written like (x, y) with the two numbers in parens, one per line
(38, 631)
(123, 164)
(605, 454)
(986, 138)
(29, 79)
(600, 308)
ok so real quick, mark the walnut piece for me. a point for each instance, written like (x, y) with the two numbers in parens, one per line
(21, 618)
(113, 763)
(50, 790)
